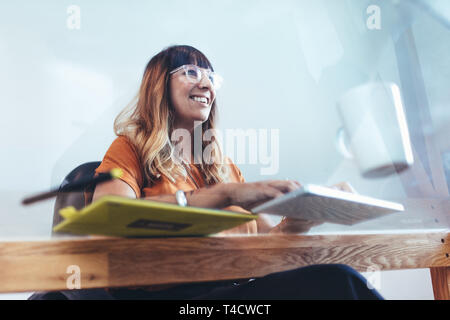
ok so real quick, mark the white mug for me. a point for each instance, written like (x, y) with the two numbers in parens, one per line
(376, 128)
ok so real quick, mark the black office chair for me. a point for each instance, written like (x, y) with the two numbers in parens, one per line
(75, 199)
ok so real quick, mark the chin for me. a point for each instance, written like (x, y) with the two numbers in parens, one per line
(201, 120)
(202, 117)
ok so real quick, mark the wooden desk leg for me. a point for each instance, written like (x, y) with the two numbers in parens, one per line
(440, 277)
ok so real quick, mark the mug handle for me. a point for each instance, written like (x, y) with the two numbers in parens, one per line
(342, 144)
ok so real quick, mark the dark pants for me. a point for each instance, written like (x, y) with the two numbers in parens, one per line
(333, 281)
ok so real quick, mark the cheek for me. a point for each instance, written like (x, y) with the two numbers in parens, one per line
(177, 95)
(181, 91)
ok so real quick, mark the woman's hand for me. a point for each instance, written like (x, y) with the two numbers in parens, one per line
(293, 225)
(249, 195)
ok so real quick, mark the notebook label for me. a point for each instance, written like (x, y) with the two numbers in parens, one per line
(158, 225)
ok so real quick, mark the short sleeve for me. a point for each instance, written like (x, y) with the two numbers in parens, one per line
(122, 154)
(239, 173)
(235, 172)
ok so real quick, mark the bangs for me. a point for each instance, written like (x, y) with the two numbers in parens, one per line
(181, 55)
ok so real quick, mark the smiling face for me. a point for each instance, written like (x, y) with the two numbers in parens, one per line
(191, 101)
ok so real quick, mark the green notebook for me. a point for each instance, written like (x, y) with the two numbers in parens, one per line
(124, 217)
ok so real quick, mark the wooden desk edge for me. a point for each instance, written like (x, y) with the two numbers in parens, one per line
(116, 262)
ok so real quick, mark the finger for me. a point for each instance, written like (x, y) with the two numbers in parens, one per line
(291, 225)
(284, 186)
(295, 181)
(266, 193)
(272, 192)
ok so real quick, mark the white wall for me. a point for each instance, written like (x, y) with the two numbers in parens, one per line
(285, 63)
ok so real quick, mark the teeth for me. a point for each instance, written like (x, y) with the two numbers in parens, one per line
(200, 99)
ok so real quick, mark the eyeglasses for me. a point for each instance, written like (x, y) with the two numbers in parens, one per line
(194, 74)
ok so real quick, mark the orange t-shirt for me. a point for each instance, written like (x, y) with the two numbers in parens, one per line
(122, 154)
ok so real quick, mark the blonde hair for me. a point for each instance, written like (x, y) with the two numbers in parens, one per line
(147, 121)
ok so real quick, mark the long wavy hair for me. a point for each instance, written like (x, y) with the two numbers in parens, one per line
(147, 121)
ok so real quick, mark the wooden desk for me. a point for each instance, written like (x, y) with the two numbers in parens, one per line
(115, 262)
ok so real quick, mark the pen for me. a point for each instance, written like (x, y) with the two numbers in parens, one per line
(76, 186)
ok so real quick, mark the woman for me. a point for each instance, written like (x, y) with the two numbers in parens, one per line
(178, 93)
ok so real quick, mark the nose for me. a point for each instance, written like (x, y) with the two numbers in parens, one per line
(205, 82)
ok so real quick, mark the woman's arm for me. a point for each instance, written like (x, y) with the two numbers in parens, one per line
(114, 187)
(245, 195)
(212, 197)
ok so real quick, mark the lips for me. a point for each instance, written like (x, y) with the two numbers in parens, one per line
(201, 99)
